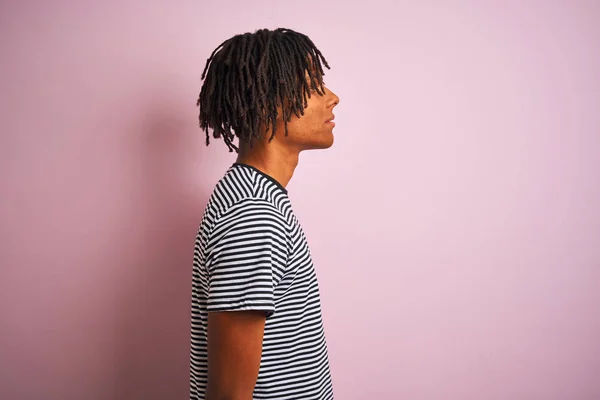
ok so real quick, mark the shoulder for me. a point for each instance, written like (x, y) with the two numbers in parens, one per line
(250, 217)
(244, 189)
(251, 208)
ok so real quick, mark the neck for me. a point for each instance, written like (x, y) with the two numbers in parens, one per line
(277, 162)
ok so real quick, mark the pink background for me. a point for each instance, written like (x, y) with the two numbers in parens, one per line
(455, 224)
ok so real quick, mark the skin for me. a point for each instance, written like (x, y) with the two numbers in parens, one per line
(234, 351)
(235, 338)
(310, 131)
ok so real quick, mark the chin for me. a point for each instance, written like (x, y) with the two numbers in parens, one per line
(326, 142)
(319, 146)
(320, 142)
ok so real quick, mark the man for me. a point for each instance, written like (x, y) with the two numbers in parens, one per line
(257, 331)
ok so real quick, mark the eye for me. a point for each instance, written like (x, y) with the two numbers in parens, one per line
(319, 85)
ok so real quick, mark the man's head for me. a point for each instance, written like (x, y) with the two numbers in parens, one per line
(258, 84)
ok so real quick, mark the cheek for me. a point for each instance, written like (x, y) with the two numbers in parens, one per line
(309, 124)
(302, 126)
(312, 120)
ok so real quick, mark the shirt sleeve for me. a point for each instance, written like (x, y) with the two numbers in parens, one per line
(247, 251)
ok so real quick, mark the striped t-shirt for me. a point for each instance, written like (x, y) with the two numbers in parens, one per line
(251, 254)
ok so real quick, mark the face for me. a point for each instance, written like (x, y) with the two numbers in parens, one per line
(314, 129)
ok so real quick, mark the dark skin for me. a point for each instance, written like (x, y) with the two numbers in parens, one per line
(311, 131)
(235, 338)
(234, 351)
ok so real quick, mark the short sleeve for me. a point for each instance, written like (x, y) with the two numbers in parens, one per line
(247, 251)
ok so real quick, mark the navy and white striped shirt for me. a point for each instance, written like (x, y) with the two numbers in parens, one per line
(251, 254)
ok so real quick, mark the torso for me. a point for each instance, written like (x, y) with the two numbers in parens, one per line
(294, 363)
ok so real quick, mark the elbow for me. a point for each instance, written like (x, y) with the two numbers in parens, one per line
(225, 395)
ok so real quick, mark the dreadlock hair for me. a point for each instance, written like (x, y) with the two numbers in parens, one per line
(249, 76)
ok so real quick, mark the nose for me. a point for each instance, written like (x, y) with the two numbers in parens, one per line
(333, 99)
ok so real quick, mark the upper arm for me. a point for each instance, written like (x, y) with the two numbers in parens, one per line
(246, 256)
(234, 353)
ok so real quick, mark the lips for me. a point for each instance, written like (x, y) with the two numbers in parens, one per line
(331, 119)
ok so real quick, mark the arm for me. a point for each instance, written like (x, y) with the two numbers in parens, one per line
(246, 250)
(234, 352)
